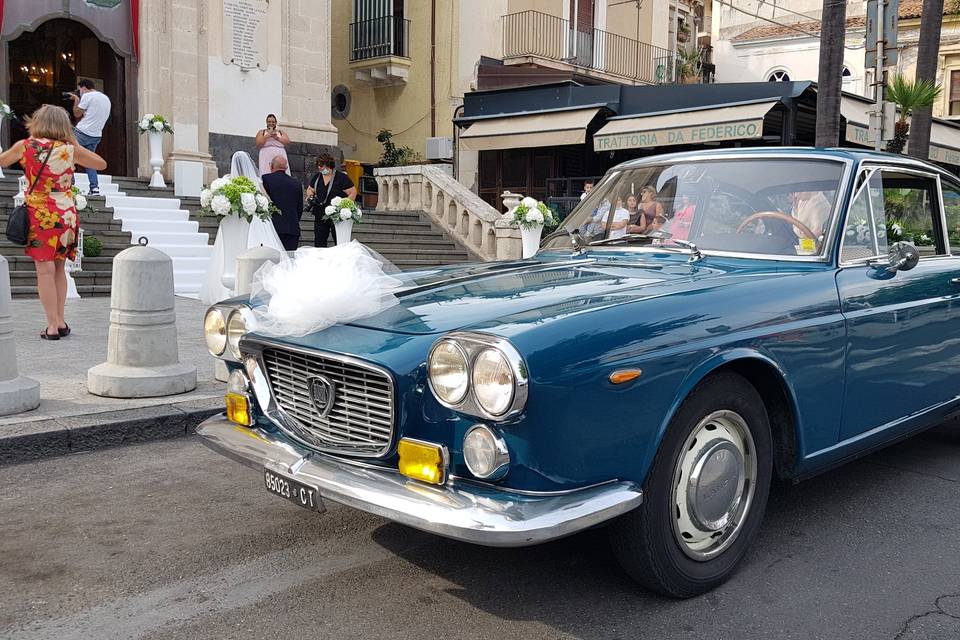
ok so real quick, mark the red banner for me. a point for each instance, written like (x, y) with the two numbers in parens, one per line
(134, 20)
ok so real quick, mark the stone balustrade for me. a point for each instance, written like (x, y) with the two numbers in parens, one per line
(454, 208)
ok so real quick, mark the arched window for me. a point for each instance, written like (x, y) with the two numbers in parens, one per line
(779, 76)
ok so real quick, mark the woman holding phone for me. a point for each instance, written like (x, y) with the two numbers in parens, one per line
(271, 142)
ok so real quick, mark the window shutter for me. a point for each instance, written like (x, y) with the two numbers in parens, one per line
(954, 85)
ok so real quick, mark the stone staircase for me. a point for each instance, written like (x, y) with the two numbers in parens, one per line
(408, 239)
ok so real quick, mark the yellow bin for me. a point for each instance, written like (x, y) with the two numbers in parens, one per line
(353, 169)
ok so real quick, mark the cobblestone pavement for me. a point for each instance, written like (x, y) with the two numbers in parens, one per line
(169, 540)
(61, 366)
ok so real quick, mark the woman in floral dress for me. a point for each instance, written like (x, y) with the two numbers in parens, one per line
(54, 223)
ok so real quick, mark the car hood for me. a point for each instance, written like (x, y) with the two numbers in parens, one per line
(475, 295)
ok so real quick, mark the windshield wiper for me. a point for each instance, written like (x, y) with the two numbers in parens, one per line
(656, 235)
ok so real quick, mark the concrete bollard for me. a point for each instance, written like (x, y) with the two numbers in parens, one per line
(142, 355)
(17, 393)
(247, 264)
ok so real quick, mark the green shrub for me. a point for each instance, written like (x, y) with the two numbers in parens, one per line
(92, 247)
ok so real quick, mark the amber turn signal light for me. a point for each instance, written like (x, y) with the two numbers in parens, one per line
(422, 461)
(238, 409)
(624, 375)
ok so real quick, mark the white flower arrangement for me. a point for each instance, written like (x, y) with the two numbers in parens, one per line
(6, 113)
(154, 122)
(533, 213)
(341, 210)
(235, 196)
(79, 200)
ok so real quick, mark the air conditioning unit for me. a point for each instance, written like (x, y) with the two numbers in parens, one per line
(440, 148)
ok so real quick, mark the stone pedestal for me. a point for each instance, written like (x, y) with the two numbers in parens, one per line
(509, 242)
(187, 178)
(142, 354)
(17, 393)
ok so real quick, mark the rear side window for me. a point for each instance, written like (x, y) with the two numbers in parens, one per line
(893, 206)
(951, 207)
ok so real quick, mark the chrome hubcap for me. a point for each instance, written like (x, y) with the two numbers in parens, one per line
(713, 485)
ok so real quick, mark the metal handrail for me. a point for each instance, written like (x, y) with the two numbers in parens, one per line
(538, 34)
(380, 37)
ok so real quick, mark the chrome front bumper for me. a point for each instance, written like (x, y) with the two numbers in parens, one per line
(463, 511)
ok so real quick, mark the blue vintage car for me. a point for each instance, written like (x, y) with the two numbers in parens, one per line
(700, 323)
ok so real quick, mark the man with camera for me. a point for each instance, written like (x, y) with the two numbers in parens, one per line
(92, 109)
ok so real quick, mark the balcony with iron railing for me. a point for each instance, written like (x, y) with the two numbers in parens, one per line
(380, 50)
(534, 35)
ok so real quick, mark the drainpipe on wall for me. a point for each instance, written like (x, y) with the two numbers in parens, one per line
(456, 143)
(433, 68)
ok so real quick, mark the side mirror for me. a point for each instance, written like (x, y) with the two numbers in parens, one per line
(903, 256)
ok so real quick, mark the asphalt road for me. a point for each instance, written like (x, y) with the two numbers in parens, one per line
(169, 540)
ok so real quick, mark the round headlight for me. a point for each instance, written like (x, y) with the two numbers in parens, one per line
(237, 327)
(493, 382)
(447, 368)
(485, 453)
(215, 331)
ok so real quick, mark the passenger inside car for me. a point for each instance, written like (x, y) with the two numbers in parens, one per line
(812, 209)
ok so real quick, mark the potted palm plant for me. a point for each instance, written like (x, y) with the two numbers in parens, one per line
(689, 64)
(908, 96)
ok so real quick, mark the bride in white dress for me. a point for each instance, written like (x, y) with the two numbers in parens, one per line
(258, 233)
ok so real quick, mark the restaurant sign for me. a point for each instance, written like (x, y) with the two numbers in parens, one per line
(696, 134)
(859, 134)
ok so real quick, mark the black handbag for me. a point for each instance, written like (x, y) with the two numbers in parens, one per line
(18, 224)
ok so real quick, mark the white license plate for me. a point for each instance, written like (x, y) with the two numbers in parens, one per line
(296, 492)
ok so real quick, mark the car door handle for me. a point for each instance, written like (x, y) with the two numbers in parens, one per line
(955, 281)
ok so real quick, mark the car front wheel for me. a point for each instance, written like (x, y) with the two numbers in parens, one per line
(705, 493)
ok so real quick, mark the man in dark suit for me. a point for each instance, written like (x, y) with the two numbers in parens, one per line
(287, 194)
(325, 185)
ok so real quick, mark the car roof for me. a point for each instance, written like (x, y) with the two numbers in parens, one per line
(838, 153)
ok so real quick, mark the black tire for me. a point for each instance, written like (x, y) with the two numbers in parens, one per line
(644, 541)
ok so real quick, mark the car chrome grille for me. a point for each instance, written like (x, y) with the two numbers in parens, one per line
(360, 422)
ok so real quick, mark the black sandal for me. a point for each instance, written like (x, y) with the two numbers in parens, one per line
(65, 331)
(48, 336)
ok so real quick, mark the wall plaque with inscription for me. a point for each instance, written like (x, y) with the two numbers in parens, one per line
(245, 33)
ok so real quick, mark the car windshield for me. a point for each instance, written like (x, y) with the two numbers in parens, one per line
(767, 206)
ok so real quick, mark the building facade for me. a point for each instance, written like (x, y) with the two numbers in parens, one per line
(779, 40)
(215, 68)
(405, 65)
